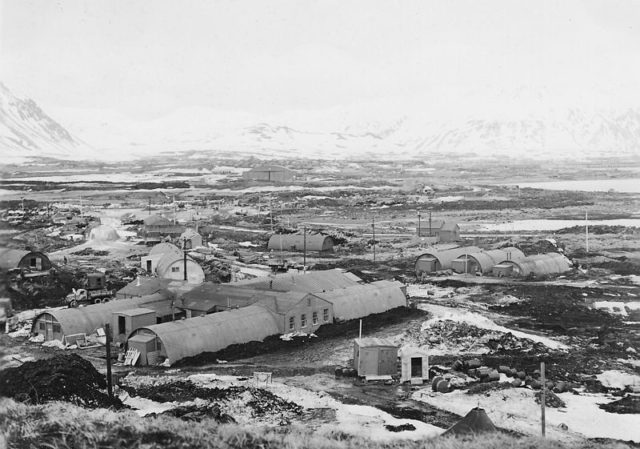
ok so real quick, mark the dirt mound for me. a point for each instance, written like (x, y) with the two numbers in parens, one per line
(628, 404)
(199, 412)
(66, 377)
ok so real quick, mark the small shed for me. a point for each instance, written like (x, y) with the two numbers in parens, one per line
(191, 236)
(375, 357)
(124, 322)
(147, 345)
(414, 365)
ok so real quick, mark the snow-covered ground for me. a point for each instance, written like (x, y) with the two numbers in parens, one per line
(549, 225)
(353, 419)
(516, 409)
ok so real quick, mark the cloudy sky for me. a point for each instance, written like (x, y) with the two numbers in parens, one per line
(147, 58)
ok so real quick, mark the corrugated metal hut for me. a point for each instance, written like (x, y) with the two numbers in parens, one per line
(167, 261)
(177, 340)
(539, 265)
(375, 357)
(483, 261)
(296, 243)
(55, 324)
(414, 365)
(310, 281)
(269, 173)
(30, 260)
(435, 260)
(358, 301)
(298, 311)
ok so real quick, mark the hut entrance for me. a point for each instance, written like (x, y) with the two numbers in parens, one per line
(416, 366)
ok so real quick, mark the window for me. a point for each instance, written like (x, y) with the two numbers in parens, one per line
(56, 327)
(303, 320)
(42, 326)
(33, 262)
(292, 323)
(175, 269)
(315, 318)
(122, 328)
(325, 315)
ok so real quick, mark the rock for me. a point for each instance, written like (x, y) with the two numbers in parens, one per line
(521, 375)
(516, 383)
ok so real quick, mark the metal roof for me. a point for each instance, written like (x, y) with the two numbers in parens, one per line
(282, 303)
(361, 300)
(85, 320)
(11, 258)
(157, 220)
(206, 296)
(487, 259)
(310, 281)
(296, 242)
(165, 248)
(447, 256)
(370, 342)
(211, 333)
(135, 312)
(542, 264)
(147, 286)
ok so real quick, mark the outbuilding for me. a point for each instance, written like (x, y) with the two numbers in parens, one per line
(299, 242)
(358, 301)
(28, 260)
(373, 357)
(436, 260)
(177, 340)
(192, 237)
(414, 365)
(168, 261)
(142, 286)
(444, 230)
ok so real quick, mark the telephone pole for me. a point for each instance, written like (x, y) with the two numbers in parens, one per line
(373, 227)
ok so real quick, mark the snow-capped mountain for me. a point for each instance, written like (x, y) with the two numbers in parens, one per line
(27, 131)
(530, 123)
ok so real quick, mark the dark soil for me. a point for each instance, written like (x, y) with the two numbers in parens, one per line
(628, 404)
(66, 377)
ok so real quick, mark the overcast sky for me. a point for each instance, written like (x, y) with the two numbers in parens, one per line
(148, 57)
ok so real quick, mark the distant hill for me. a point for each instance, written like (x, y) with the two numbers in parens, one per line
(27, 131)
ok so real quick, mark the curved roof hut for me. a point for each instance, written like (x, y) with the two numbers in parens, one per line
(163, 248)
(103, 232)
(435, 260)
(211, 333)
(17, 258)
(361, 300)
(484, 261)
(55, 324)
(539, 265)
(296, 242)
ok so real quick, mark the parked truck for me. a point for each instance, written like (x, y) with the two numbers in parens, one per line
(95, 291)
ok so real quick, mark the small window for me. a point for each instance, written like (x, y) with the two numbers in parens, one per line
(303, 320)
(325, 315)
(315, 318)
(33, 262)
(56, 327)
(175, 269)
(42, 326)
(292, 323)
(122, 326)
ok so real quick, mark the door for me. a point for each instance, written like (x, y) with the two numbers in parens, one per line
(416, 366)
(48, 336)
(148, 266)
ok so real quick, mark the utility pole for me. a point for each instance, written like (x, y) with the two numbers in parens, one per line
(543, 397)
(304, 257)
(186, 245)
(149, 205)
(419, 223)
(586, 230)
(373, 227)
(107, 333)
(429, 222)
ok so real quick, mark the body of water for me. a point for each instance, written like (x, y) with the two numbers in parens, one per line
(551, 225)
(593, 185)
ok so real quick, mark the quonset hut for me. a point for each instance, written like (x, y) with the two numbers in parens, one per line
(482, 262)
(177, 340)
(296, 242)
(436, 260)
(17, 258)
(537, 265)
(361, 300)
(56, 324)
